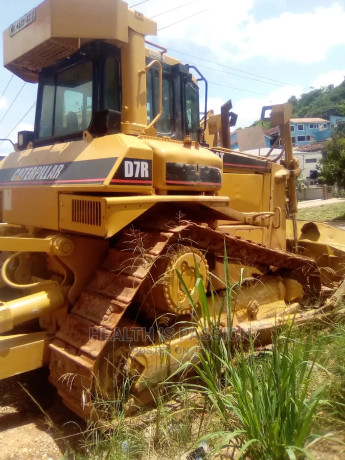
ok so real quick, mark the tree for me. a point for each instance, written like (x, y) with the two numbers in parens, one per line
(340, 129)
(332, 170)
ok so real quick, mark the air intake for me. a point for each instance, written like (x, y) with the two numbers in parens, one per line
(86, 212)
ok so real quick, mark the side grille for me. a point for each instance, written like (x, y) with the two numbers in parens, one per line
(86, 212)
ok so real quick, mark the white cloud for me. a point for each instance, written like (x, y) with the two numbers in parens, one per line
(304, 37)
(334, 77)
(249, 109)
(214, 103)
(229, 29)
(202, 23)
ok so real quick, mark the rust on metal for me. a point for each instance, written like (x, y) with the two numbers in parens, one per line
(83, 337)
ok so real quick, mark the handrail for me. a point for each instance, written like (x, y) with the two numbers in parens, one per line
(202, 78)
(161, 48)
(160, 90)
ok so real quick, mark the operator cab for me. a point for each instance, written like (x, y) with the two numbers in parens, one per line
(73, 90)
(83, 92)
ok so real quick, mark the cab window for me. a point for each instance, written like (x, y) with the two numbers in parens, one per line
(112, 83)
(165, 124)
(67, 101)
(73, 105)
(192, 110)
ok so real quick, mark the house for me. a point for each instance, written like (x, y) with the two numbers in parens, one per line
(309, 130)
(309, 157)
(335, 119)
(304, 131)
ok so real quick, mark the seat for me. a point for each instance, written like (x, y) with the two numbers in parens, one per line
(72, 122)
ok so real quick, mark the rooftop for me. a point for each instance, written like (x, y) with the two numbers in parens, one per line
(270, 131)
(308, 120)
(316, 147)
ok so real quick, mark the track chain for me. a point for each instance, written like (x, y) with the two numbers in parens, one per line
(101, 306)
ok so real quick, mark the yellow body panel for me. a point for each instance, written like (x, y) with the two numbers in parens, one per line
(322, 242)
(106, 216)
(56, 28)
(235, 183)
(323, 234)
(25, 204)
(250, 193)
(30, 207)
(23, 353)
(167, 151)
(79, 273)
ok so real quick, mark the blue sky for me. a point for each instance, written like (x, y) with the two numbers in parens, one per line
(254, 52)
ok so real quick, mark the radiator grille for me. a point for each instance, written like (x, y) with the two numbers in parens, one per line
(86, 212)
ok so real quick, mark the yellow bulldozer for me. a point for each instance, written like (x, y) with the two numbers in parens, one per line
(115, 203)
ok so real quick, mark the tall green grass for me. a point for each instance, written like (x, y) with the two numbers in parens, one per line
(272, 399)
(266, 401)
(332, 345)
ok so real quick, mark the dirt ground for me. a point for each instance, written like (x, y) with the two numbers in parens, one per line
(25, 431)
(52, 432)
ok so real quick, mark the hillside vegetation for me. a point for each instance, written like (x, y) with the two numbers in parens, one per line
(321, 102)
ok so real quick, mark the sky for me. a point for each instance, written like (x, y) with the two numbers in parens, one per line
(254, 52)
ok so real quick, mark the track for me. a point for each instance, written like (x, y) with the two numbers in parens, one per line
(92, 320)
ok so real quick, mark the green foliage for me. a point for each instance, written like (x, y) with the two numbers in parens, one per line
(332, 170)
(270, 395)
(264, 124)
(272, 399)
(340, 129)
(321, 102)
(332, 345)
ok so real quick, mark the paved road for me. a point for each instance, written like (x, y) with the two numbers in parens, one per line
(314, 203)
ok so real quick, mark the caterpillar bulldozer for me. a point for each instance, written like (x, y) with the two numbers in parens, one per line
(117, 201)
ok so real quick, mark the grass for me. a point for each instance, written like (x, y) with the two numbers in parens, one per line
(332, 345)
(323, 213)
(167, 432)
(258, 406)
(271, 396)
(272, 399)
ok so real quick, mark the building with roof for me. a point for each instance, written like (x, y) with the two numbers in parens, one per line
(335, 119)
(309, 130)
(308, 135)
(304, 131)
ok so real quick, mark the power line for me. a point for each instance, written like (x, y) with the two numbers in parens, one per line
(238, 89)
(242, 76)
(26, 113)
(259, 78)
(173, 9)
(137, 4)
(4, 91)
(184, 19)
(231, 68)
(14, 100)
